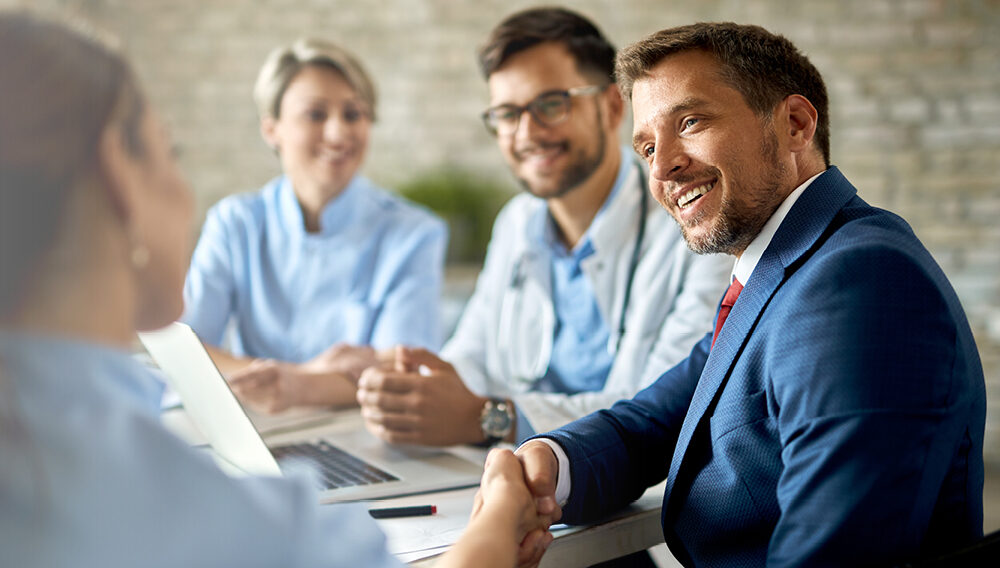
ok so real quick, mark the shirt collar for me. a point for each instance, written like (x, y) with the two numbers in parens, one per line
(747, 261)
(336, 214)
(547, 233)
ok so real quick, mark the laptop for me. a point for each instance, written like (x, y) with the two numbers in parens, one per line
(353, 464)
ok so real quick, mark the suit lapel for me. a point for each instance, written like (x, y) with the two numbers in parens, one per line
(798, 232)
(721, 359)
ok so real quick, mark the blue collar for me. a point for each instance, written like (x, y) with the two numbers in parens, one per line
(339, 212)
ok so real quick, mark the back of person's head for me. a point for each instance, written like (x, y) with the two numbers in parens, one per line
(763, 67)
(594, 54)
(284, 63)
(61, 89)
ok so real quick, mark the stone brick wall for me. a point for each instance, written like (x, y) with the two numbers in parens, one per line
(915, 89)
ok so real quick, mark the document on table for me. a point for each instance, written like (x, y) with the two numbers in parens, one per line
(414, 538)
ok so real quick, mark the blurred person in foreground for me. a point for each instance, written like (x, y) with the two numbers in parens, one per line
(94, 219)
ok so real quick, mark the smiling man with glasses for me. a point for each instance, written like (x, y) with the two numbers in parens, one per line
(588, 292)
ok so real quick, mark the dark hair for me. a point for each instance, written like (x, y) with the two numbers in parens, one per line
(765, 68)
(61, 89)
(523, 30)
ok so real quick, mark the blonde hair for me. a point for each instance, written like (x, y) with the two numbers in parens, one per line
(62, 86)
(284, 63)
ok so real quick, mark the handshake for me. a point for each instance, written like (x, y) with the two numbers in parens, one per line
(516, 503)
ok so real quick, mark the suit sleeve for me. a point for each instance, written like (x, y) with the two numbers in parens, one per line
(871, 409)
(616, 454)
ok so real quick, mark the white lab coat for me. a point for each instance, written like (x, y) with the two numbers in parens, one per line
(504, 338)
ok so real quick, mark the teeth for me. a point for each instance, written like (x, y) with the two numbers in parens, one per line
(540, 152)
(690, 196)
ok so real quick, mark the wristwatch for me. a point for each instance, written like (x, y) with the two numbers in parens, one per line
(496, 420)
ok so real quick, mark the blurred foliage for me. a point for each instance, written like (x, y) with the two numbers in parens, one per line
(467, 202)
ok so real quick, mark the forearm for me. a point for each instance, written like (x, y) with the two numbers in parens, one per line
(325, 389)
(490, 540)
(226, 362)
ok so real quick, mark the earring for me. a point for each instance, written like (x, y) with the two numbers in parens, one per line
(139, 256)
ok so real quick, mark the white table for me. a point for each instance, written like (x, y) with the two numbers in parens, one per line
(419, 540)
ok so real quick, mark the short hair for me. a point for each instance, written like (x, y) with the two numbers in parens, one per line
(593, 53)
(284, 63)
(763, 67)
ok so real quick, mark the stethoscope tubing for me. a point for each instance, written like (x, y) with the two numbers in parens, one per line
(517, 277)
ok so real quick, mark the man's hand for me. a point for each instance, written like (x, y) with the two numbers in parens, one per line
(419, 399)
(504, 498)
(541, 472)
(271, 386)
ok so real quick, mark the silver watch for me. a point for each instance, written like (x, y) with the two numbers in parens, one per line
(496, 420)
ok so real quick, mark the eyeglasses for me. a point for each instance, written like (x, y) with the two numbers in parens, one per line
(548, 109)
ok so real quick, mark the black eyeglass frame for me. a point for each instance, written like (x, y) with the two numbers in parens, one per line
(492, 123)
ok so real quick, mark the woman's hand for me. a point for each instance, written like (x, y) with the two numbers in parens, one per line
(506, 508)
(348, 360)
(271, 386)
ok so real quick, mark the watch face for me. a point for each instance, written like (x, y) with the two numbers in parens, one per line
(496, 422)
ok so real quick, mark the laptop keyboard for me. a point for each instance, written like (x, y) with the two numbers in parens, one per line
(337, 467)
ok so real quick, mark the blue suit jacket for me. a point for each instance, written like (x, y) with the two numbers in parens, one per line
(838, 420)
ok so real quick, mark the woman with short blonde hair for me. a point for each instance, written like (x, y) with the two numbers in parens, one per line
(320, 268)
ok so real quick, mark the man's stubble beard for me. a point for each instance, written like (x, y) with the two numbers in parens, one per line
(577, 172)
(739, 226)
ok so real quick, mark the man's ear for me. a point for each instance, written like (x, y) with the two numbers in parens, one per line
(269, 132)
(802, 118)
(118, 171)
(616, 105)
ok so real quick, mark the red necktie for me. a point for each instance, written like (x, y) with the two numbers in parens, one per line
(727, 304)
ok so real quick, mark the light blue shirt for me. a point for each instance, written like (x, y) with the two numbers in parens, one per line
(581, 358)
(372, 275)
(90, 478)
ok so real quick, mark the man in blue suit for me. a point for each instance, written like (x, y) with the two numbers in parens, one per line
(838, 418)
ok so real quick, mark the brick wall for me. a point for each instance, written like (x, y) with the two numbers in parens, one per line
(915, 89)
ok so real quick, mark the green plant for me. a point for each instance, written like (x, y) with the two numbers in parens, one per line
(468, 203)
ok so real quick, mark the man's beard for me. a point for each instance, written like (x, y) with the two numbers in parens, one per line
(740, 223)
(577, 172)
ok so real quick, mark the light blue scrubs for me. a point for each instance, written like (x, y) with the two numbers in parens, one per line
(372, 275)
(89, 478)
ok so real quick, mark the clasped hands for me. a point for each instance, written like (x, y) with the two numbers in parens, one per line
(419, 399)
(517, 493)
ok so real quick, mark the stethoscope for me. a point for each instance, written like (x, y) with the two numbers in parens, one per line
(518, 275)
(636, 252)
